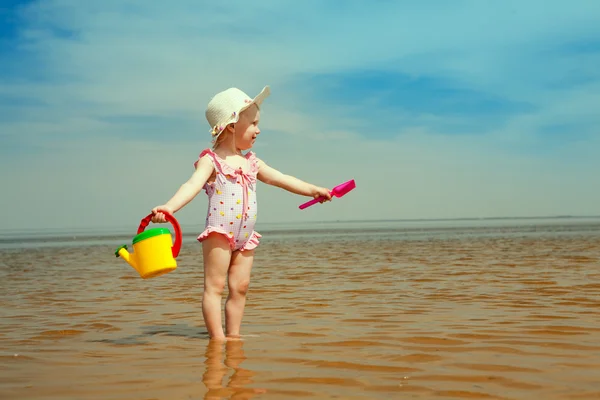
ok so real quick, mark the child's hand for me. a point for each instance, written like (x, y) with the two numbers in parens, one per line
(159, 216)
(322, 192)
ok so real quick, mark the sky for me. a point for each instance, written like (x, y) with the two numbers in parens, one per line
(437, 109)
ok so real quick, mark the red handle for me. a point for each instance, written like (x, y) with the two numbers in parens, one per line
(177, 245)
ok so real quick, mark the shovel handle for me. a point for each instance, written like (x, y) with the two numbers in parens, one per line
(177, 245)
(311, 202)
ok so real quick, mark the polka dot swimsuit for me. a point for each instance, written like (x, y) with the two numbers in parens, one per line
(232, 208)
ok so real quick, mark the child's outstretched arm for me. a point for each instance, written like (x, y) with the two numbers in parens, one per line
(273, 177)
(187, 191)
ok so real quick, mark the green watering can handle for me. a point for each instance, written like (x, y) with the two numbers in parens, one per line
(177, 245)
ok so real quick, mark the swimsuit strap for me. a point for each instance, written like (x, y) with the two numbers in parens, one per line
(226, 169)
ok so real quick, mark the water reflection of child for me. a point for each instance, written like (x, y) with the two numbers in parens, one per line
(216, 370)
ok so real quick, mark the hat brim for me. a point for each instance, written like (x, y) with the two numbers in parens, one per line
(258, 100)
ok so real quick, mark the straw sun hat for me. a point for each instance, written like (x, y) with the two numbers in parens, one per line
(225, 108)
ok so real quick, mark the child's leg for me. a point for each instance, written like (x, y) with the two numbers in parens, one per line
(217, 256)
(238, 282)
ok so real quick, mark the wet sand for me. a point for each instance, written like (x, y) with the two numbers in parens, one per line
(462, 314)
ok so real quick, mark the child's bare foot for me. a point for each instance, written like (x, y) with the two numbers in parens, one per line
(230, 338)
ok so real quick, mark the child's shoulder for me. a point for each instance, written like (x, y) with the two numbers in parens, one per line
(206, 154)
(250, 155)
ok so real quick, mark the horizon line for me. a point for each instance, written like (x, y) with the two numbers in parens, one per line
(565, 216)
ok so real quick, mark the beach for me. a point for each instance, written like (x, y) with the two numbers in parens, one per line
(365, 310)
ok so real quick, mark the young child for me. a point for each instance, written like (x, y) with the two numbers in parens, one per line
(229, 178)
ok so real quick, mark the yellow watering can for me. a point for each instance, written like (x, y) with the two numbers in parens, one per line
(152, 252)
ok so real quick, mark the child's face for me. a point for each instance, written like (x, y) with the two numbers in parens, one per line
(246, 129)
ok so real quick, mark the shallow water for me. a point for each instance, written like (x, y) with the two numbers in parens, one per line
(507, 312)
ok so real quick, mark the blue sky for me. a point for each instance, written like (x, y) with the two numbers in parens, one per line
(438, 109)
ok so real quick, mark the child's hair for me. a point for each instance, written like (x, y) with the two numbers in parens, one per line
(221, 137)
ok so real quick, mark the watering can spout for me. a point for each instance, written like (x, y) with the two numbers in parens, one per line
(127, 256)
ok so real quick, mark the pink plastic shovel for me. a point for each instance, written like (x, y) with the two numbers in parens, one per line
(337, 191)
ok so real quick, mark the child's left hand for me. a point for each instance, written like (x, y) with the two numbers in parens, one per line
(322, 192)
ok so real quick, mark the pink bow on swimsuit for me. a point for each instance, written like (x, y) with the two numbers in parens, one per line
(244, 180)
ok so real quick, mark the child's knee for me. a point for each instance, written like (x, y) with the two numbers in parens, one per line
(241, 288)
(216, 286)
